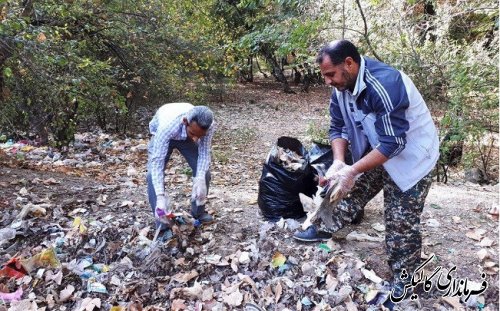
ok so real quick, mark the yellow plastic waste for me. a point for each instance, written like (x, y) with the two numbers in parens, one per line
(46, 258)
(78, 225)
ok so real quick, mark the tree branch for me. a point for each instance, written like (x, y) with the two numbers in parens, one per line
(367, 39)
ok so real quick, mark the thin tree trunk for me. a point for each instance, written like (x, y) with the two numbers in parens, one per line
(343, 19)
(277, 72)
(367, 39)
(258, 68)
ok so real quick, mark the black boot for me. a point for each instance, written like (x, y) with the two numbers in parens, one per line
(198, 212)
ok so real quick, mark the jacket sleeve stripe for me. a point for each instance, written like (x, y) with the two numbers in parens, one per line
(385, 100)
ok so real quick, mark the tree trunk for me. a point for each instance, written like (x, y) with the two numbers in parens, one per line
(276, 68)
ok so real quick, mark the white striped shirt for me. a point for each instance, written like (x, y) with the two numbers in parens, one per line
(165, 126)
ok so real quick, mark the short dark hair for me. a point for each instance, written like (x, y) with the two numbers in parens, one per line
(338, 51)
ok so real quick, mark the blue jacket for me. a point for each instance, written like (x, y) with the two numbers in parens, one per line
(385, 111)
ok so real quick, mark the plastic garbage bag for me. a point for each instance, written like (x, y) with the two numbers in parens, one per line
(283, 177)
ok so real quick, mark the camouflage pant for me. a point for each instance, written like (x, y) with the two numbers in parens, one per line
(402, 215)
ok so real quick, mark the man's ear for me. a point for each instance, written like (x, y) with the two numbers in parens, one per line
(185, 121)
(351, 65)
(349, 62)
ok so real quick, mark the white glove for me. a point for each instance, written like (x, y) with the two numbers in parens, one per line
(199, 191)
(162, 208)
(346, 177)
(336, 166)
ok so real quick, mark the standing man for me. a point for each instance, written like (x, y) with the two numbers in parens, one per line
(188, 129)
(378, 111)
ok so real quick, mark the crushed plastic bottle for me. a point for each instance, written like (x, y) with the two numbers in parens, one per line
(7, 234)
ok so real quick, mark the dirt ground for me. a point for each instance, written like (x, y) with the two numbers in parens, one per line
(111, 200)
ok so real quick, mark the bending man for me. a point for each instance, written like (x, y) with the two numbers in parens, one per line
(189, 129)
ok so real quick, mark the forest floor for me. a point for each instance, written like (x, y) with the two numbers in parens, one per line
(86, 212)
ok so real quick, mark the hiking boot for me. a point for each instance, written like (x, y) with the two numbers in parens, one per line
(358, 218)
(199, 213)
(311, 234)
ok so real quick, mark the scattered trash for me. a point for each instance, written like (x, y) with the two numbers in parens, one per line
(46, 258)
(93, 286)
(378, 227)
(278, 260)
(362, 237)
(15, 296)
(325, 247)
(13, 269)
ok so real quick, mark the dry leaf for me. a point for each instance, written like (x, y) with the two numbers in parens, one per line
(50, 301)
(355, 236)
(185, 277)
(66, 293)
(23, 305)
(57, 278)
(89, 304)
(331, 282)
(475, 235)
(351, 306)
(41, 37)
(194, 292)
(213, 259)
(234, 299)
(482, 254)
(370, 275)
(246, 279)
(489, 264)
(486, 242)
(178, 304)
(208, 294)
(278, 290)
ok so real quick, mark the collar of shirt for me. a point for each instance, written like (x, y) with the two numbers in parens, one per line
(360, 80)
(183, 134)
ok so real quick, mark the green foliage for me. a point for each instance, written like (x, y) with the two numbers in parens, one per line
(317, 131)
(93, 62)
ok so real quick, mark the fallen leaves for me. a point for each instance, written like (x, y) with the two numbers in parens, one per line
(66, 293)
(185, 277)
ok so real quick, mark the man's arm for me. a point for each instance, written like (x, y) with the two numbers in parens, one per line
(339, 147)
(390, 102)
(159, 152)
(204, 149)
(370, 161)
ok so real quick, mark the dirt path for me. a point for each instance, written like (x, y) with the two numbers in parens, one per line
(251, 118)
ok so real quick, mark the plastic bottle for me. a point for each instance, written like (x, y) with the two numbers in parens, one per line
(7, 234)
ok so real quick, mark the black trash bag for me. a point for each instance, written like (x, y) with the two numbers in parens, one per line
(321, 157)
(279, 187)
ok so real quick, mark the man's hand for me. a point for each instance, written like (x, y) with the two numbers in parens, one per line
(199, 191)
(162, 210)
(346, 177)
(336, 166)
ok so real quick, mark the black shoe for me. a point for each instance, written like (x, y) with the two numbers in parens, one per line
(199, 213)
(358, 218)
(205, 218)
(311, 234)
